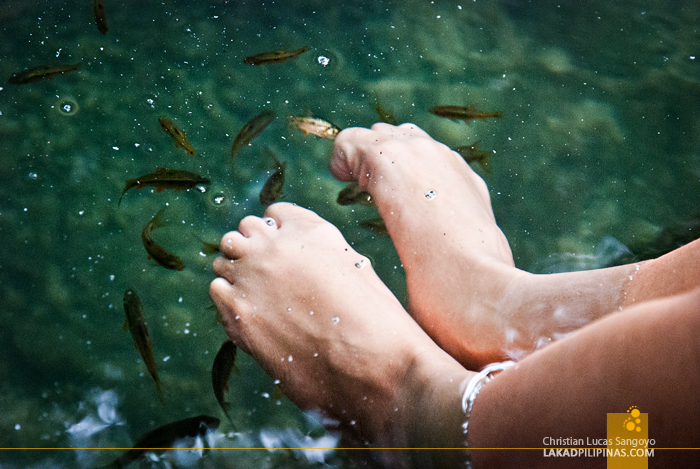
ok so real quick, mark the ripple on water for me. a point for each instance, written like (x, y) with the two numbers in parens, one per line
(67, 106)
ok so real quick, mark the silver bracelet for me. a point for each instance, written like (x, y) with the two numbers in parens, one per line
(470, 393)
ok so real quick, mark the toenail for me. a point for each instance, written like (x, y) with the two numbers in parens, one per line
(270, 221)
(431, 194)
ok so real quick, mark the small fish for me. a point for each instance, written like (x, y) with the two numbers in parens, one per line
(471, 153)
(274, 186)
(384, 115)
(210, 248)
(252, 129)
(164, 178)
(136, 324)
(465, 113)
(155, 252)
(376, 225)
(98, 7)
(39, 73)
(166, 437)
(176, 134)
(274, 57)
(353, 195)
(224, 364)
(316, 126)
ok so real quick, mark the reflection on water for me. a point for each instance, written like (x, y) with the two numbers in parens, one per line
(599, 138)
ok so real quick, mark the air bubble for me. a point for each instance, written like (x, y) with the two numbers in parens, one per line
(335, 319)
(270, 221)
(360, 264)
(67, 106)
(430, 195)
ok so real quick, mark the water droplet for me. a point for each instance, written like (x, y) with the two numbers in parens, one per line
(289, 309)
(237, 317)
(277, 381)
(430, 195)
(360, 264)
(316, 354)
(18, 426)
(290, 358)
(335, 319)
(265, 395)
(270, 221)
(32, 176)
(323, 60)
(311, 313)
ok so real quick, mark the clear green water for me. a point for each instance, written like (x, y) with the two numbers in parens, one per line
(600, 137)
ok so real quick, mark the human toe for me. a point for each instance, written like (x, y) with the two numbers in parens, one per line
(284, 212)
(234, 245)
(349, 144)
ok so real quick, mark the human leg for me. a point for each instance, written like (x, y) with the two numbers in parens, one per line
(295, 296)
(463, 287)
(647, 356)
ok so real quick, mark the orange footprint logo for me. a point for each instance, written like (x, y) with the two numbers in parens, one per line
(632, 422)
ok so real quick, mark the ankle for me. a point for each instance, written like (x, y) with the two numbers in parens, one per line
(429, 405)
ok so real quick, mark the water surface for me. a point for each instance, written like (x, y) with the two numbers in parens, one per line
(599, 140)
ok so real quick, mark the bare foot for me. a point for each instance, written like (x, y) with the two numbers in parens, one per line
(311, 310)
(462, 284)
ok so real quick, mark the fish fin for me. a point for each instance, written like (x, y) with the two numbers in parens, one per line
(305, 132)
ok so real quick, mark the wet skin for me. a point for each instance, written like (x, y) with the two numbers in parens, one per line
(348, 357)
(367, 364)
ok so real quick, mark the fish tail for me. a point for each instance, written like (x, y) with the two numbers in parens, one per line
(226, 407)
(160, 390)
(158, 219)
(484, 162)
